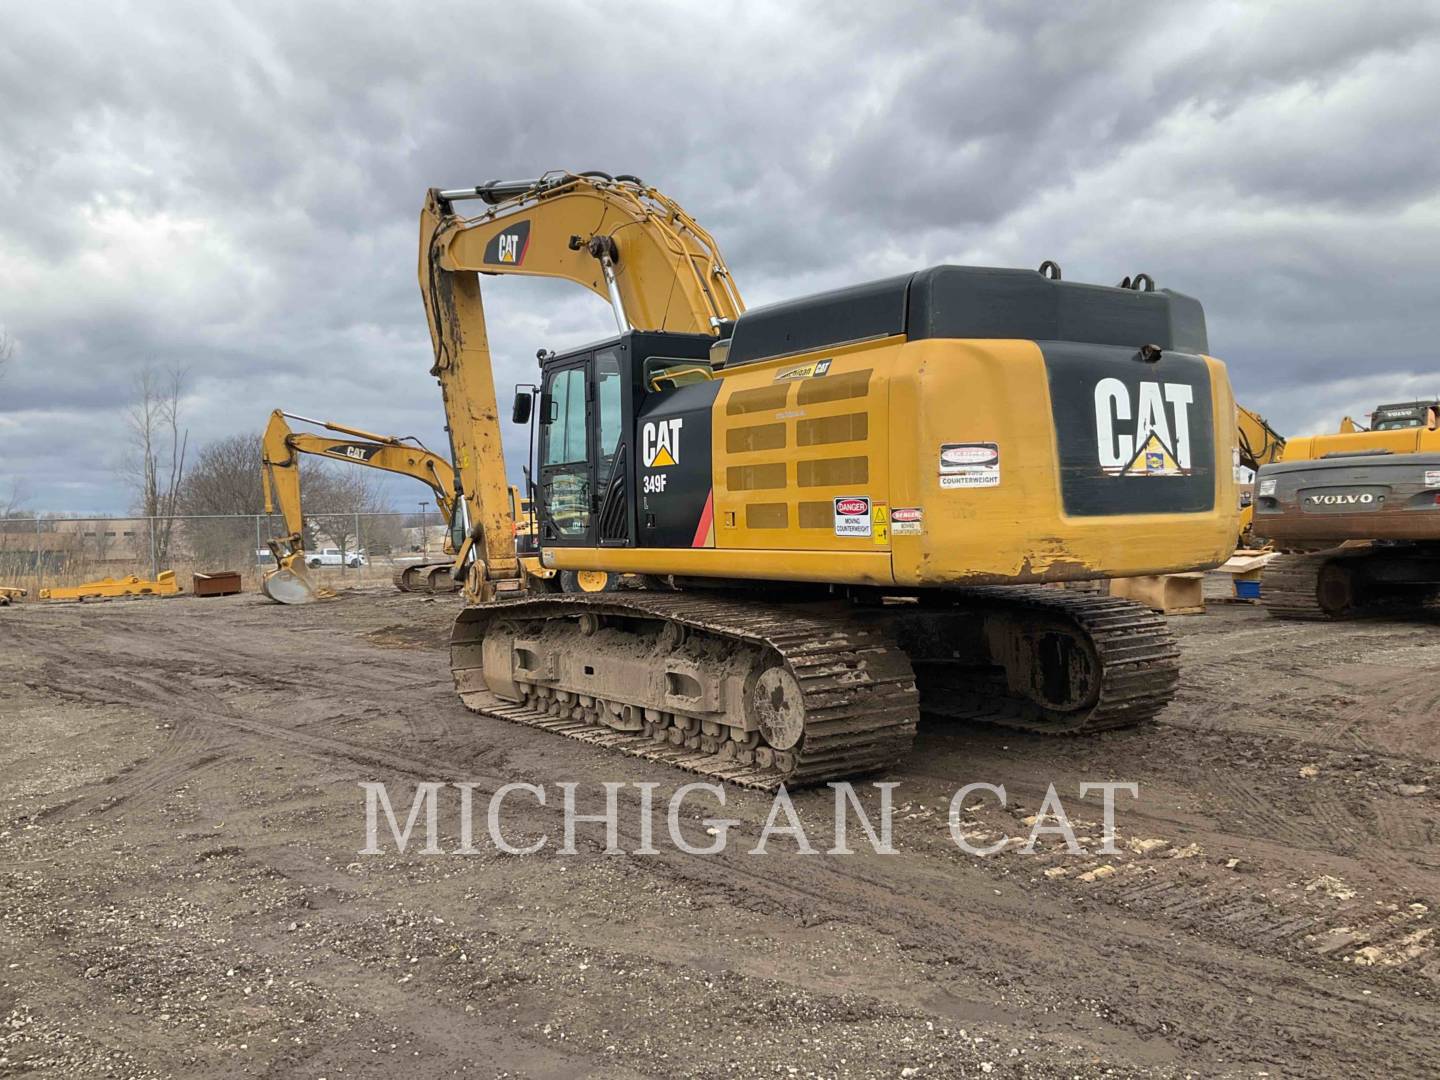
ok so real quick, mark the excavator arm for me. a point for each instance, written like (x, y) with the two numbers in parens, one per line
(280, 475)
(617, 237)
(1260, 444)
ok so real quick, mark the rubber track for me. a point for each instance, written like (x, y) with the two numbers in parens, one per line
(1139, 661)
(860, 697)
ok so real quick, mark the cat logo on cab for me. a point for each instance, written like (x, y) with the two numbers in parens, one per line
(660, 443)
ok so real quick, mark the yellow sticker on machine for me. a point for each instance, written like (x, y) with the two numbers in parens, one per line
(880, 524)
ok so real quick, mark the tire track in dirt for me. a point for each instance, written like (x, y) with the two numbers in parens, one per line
(946, 919)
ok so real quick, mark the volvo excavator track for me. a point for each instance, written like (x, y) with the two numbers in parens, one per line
(761, 694)
(1352, 582)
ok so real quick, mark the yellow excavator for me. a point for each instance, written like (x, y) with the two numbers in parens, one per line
(848, 506)
(1258, 444)
(1356, 516)
(290, 582)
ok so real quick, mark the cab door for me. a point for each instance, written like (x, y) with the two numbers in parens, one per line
(614, 468)
(567, 491)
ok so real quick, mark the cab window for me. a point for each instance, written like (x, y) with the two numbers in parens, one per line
(565, 438)
(608, 395)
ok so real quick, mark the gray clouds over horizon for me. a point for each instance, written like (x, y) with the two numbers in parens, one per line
(236, 188)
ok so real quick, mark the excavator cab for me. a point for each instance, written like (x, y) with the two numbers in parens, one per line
(588, 419)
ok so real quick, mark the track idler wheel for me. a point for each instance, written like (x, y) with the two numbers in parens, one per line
(778, 705)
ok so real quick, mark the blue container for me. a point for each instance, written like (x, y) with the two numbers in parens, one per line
(1247, 590)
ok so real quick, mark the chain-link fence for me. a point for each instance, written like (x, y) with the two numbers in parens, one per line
(50, 550)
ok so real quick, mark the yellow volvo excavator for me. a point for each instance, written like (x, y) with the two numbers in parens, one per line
(1357, 517)
(849, 505)
(289, 582)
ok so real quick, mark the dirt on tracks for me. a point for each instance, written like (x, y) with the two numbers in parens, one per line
(184, 893)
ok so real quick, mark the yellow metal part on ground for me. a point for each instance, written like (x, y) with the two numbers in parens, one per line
(111, 588)
(9, 594)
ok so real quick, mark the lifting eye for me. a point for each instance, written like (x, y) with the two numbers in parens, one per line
(1150, 353)
(1050, 269)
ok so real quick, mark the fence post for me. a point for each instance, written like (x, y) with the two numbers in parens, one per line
(154, 562)
(259, 563)
(39, 554)
(359, 547)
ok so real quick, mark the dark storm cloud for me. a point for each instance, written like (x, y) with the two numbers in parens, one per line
(234, 188)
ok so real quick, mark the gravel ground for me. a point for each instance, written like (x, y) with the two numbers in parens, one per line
(184, 894)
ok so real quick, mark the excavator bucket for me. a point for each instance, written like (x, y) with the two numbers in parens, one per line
(290, 583)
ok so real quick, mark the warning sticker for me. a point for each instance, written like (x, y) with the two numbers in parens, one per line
(907, 520)
(969, 465)
(1267, 487)
(880, 519)
(1432, 478)
(852, 516)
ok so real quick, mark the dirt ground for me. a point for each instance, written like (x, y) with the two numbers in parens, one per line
(183, 892)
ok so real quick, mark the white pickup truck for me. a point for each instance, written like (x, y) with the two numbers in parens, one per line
(331, 556)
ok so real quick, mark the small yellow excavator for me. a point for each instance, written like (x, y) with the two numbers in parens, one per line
(290, 582)
(1356, 516)
(847, 506)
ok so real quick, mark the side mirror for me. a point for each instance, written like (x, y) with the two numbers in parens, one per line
(520, 411)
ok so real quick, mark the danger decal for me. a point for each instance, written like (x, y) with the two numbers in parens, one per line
(852, 516)
(907, 520)
(969, 465)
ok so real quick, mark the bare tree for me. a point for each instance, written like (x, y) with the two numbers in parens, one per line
(7, 349)
(11, 503)
(156, 465)
(335, 498)
(223, 480)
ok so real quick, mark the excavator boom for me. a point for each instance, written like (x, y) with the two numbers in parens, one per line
(617, 237)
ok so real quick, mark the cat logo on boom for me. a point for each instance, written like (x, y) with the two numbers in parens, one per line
(660, 443)
(508, 248)
(1148, 437)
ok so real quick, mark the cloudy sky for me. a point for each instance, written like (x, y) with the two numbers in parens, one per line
(235, 187)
